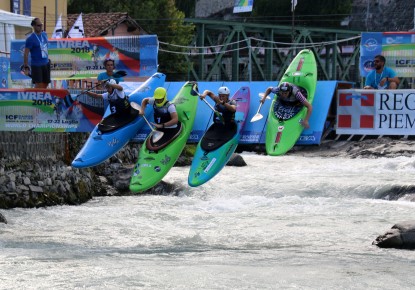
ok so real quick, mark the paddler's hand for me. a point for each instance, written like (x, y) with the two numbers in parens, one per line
(26, 70)
(305, 124)
(158, 126)
(262, 100)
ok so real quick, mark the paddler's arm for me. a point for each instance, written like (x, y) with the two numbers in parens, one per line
(231, 108)
(95, 95)
(267, 92)
(211, 95)
(307, 117)
(174, 120)
(144, 104)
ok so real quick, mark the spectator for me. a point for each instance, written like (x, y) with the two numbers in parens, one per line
(37, 45)
(381, 77)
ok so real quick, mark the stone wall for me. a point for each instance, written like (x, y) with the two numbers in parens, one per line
(35, 170)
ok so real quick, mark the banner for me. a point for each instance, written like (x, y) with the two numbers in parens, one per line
(243, 6)
(55, 110)
(80, 58)
(397, 47)
(48, 110)
(376, 112)
(4, 70)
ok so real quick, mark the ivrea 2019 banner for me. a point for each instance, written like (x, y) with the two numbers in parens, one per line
(397, 47)
(79, 58)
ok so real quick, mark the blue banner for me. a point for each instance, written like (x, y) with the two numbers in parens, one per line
(397, 47)
(80, 58)
(54, 110)
(4, 69)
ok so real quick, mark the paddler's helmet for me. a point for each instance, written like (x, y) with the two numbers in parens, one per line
(286, 87)
(160, 96)
(224, 91)
(109, 82)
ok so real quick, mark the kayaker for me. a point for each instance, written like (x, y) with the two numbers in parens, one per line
(165, 114)
(223, 105)
(116, 97)
(289, 95)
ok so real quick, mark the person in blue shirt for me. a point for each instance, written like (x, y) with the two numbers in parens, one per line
(37, 45)
(109, 64)
(381, 77)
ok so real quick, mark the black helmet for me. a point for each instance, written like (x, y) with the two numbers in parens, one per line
(286, 87)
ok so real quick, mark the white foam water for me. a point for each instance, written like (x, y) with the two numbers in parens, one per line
(279, 223)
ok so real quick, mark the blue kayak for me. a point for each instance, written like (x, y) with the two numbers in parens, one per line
(111, 134)
(217, 146)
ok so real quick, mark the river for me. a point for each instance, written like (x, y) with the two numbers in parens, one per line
(288, 222)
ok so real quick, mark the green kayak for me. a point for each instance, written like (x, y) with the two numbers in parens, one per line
(154, 161)
(282, 134)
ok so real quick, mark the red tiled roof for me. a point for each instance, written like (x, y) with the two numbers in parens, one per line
(97, 24)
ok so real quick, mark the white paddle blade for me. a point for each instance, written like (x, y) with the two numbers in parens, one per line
(156, 135)
(257, 117)
(135, 106)
(261, 95)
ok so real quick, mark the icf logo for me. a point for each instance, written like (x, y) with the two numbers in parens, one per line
(370, 44)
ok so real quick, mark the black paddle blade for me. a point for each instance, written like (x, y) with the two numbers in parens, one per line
(120, 74)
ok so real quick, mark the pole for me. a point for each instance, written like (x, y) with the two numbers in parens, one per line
(292, 23)
(249, 60)
(44, 18)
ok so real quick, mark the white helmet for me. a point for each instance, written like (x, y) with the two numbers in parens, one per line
(224, 91)
(110, 82)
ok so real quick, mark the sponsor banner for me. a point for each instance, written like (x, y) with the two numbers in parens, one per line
(59, 111)
(80, 58)
(4, 69)
(48, 110)
(254, 132)
(397, 47)
(376, 112)
(243, 6)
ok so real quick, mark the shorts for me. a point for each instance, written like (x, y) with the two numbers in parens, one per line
(41, 74)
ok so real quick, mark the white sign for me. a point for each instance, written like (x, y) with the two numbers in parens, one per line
(376, 112)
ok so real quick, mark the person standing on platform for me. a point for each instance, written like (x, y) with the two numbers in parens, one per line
(109, 65)
(37, 45)
(382, 77)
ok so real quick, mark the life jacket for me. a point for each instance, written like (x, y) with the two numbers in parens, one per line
(161, 114)
(117, 104)
(291, 100)
(227, 115)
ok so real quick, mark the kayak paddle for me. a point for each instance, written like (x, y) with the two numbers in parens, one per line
(156, 135)
(219, 115)
(259, 116)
